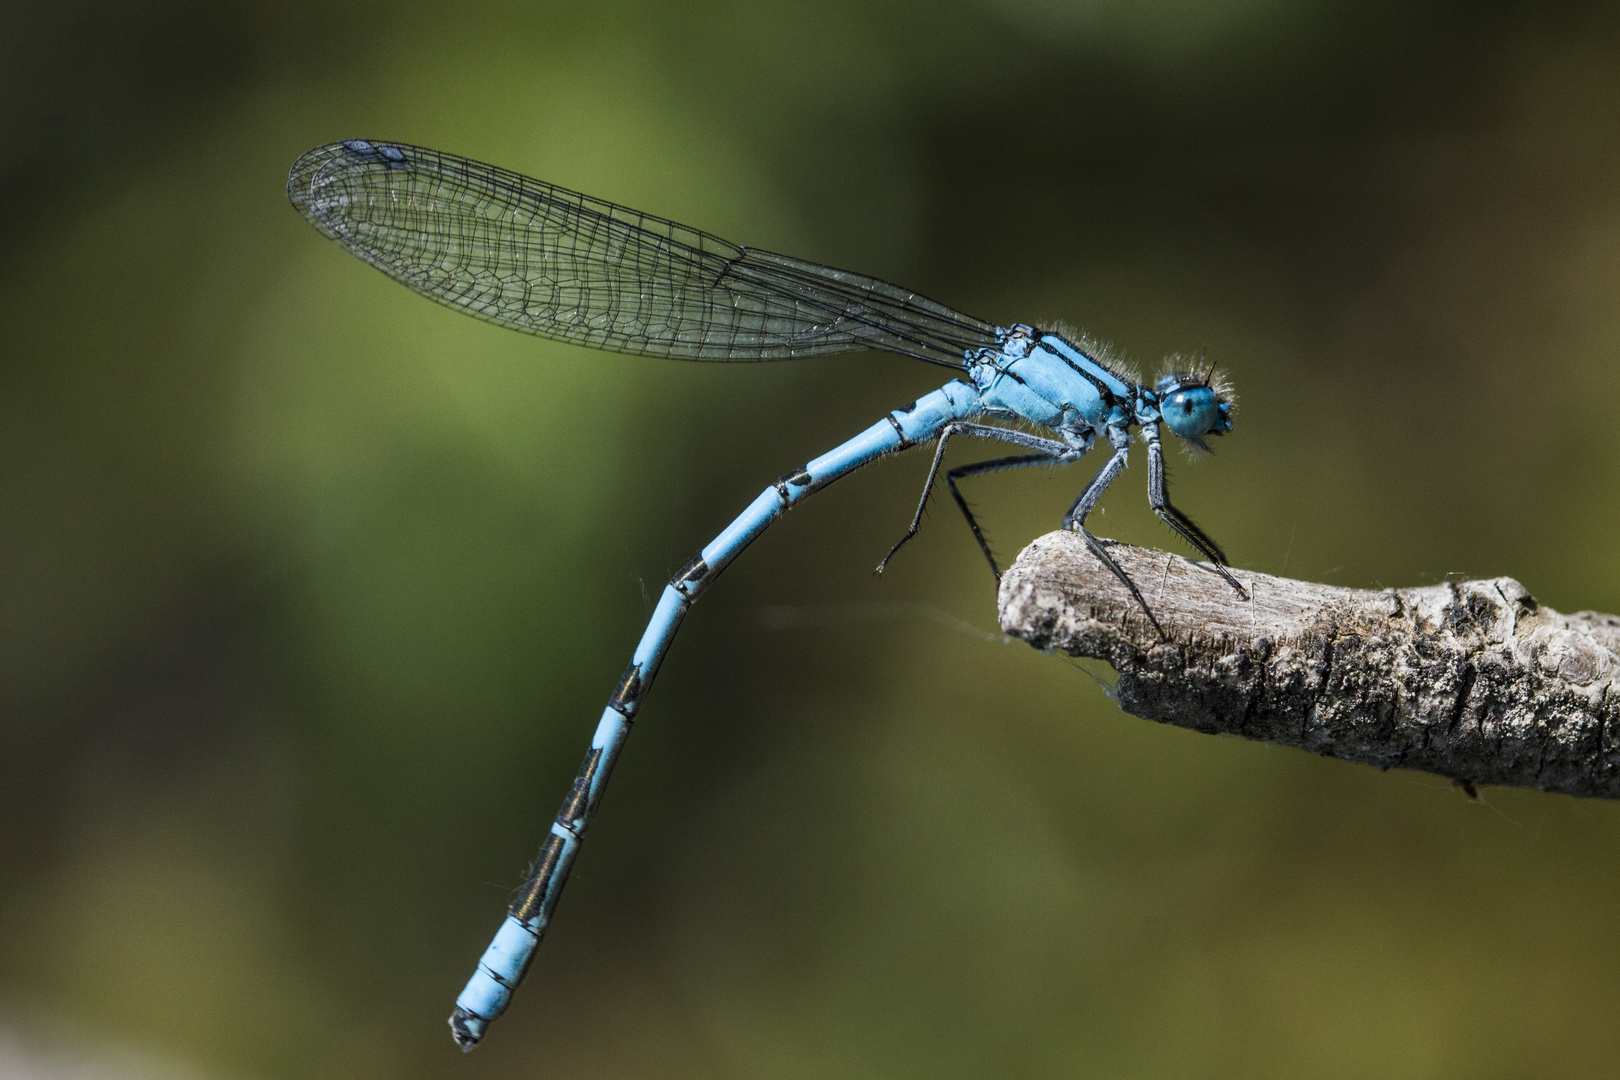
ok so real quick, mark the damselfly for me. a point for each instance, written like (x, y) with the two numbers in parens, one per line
(552, 262)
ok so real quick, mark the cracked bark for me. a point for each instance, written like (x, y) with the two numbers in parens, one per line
(1471, 680)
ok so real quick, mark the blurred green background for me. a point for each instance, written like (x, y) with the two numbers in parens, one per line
(311, 591)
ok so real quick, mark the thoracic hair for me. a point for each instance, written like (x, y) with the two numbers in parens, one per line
(1105, 353)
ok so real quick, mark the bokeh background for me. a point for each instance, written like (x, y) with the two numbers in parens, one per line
(311, 591)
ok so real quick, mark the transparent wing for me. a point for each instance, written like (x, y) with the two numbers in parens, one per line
(553, 262)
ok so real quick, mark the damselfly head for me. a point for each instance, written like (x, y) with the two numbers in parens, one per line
(1194, 403)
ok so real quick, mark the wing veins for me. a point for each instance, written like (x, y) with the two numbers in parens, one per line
(553, 262)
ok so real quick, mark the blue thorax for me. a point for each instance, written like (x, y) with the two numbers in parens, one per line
(1042, 378)
(1046, 379)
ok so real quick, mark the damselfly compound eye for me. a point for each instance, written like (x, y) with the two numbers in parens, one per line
(1191, 413)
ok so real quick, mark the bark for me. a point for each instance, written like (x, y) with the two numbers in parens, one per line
(1471, 680)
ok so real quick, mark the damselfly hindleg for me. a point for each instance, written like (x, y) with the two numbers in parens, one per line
(1050, 452)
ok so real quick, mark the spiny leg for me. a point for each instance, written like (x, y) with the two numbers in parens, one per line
(922, 503)
(1050, 451)
(962, 472)
(1075, 519)
(1159, 499)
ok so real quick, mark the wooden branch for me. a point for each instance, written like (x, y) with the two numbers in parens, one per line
(1472, 680)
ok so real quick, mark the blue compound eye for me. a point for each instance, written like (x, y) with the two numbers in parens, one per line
(1191, 413)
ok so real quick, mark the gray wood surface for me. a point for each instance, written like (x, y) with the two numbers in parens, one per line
(1471, 680)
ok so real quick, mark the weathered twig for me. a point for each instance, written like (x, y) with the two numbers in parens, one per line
(1472, 680)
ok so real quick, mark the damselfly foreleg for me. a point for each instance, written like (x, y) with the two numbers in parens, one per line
(1159, 499)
